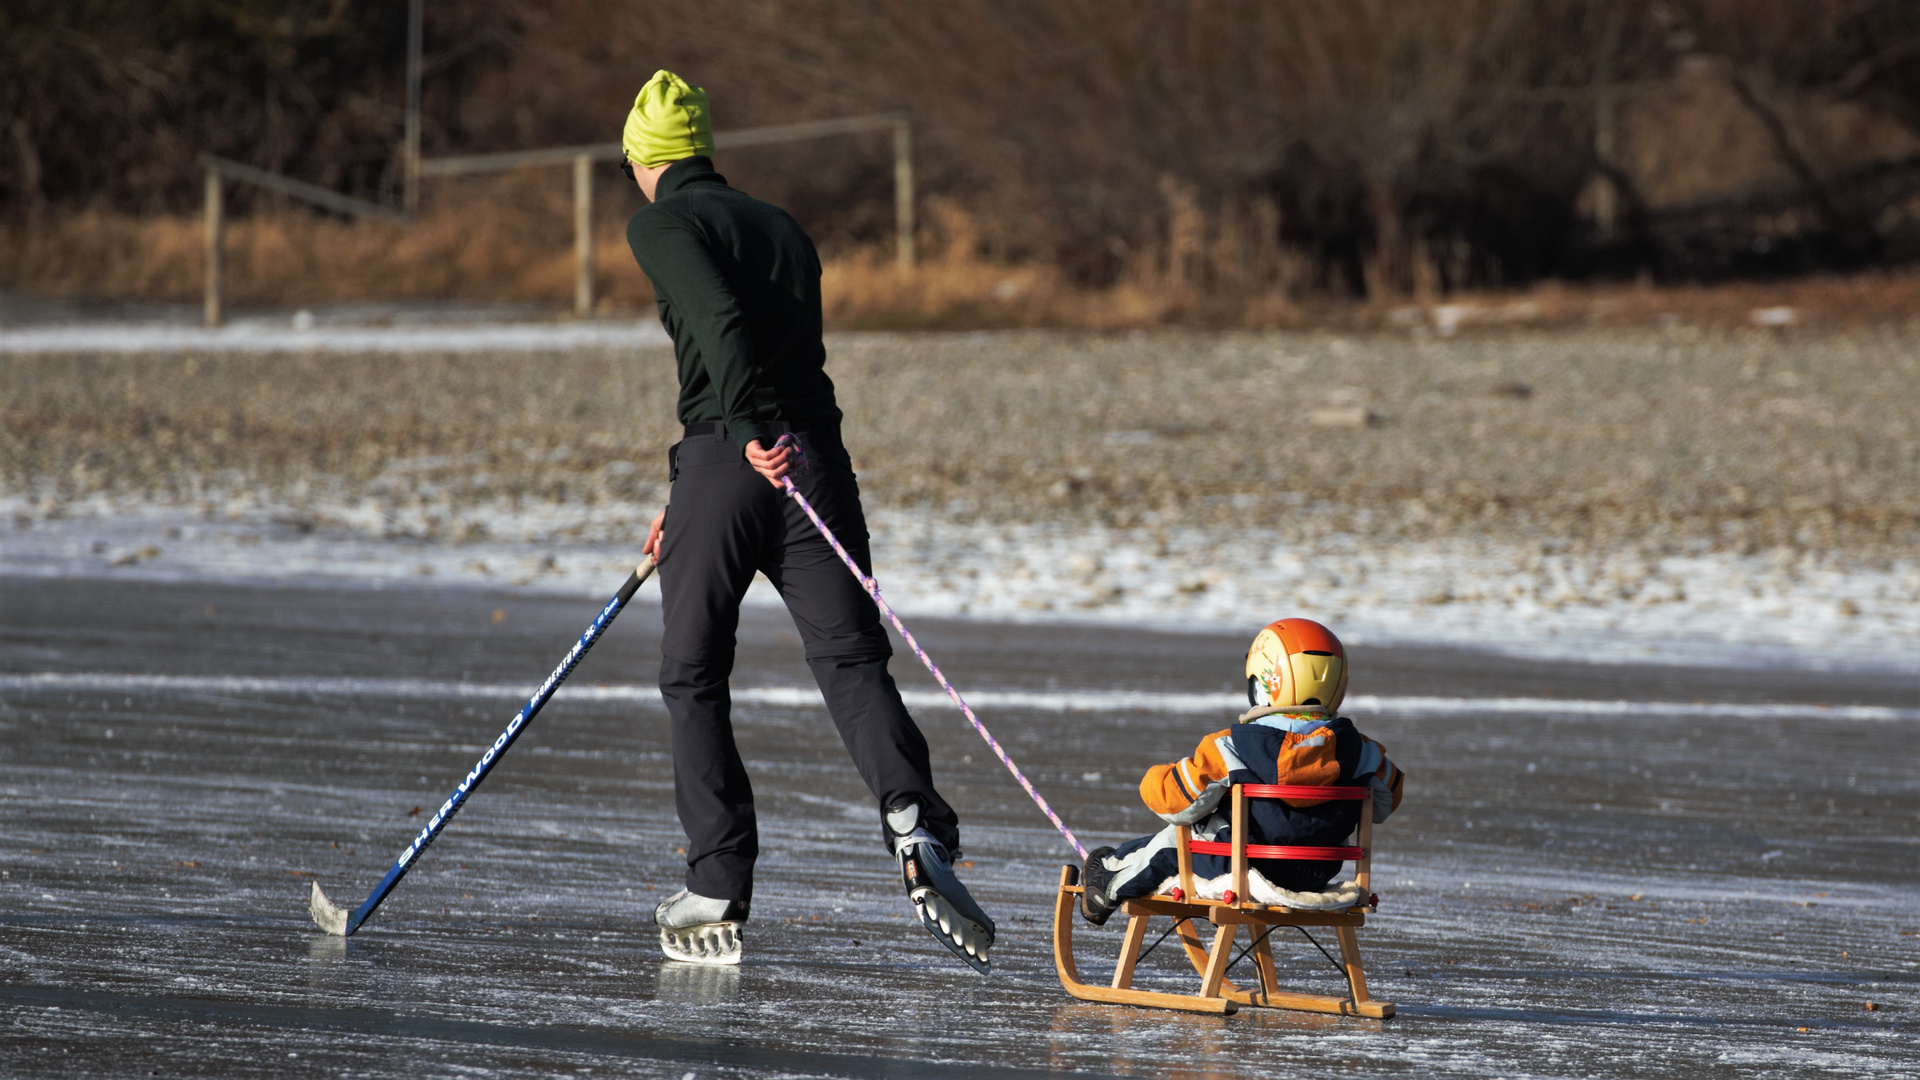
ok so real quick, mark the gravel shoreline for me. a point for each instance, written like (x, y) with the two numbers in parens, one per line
(1614, 441)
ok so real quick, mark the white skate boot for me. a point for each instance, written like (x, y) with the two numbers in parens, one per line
(946, 909)
(698, 929)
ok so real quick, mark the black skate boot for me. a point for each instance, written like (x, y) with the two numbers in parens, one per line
(946, 909)
(1096, 888)
(697, 929)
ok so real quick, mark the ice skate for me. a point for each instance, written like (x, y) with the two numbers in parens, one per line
(946, 909)
(697, 929)
(1096, 900)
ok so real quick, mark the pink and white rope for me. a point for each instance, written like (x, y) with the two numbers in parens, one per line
(873, 590)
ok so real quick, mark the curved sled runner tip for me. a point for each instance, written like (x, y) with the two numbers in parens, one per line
(1122, 993)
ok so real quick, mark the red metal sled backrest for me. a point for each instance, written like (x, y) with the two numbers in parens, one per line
(1240, 851)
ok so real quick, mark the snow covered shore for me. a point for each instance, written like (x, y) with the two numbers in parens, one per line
(1773, 608)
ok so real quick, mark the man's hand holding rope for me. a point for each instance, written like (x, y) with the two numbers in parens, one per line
(772, 464)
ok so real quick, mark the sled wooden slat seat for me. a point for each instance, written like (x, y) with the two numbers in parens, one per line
(1216, 994)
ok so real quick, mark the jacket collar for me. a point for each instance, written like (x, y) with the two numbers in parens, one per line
(697, 169)
(1296, 720)
(1305, 712)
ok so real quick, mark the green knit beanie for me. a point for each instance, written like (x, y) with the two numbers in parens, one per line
(669, 121)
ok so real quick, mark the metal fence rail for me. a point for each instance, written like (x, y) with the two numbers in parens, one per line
(470, 164)
(583, 157)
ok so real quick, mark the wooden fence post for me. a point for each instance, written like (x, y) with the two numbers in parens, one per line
(583, 235)
(903, 224)
(410, 151)
(215, 228)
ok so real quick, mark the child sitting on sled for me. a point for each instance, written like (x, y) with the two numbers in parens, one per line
(1293, 734)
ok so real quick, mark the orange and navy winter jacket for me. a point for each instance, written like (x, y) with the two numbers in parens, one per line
(1298, 746)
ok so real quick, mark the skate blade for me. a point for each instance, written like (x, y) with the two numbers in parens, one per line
(715, 943)
(327, 915)
(962, 936)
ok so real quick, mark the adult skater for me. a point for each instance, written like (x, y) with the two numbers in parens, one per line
(737, 283)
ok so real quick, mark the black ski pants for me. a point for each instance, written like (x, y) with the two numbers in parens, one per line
(724, 522)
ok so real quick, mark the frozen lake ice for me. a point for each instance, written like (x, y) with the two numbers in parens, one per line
(1623, 869)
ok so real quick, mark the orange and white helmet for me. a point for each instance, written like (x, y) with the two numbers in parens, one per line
(1296, 662)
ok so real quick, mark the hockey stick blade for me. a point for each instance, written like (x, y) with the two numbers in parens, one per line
(327, 915)
(337, 920)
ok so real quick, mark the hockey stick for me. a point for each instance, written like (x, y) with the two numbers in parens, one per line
(873, 590)
(337, 920)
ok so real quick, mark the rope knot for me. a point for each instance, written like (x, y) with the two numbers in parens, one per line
(788, 440)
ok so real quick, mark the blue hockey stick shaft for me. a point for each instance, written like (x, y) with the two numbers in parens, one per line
(411, 853)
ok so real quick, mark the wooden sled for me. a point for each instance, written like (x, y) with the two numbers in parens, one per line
(1184, 905)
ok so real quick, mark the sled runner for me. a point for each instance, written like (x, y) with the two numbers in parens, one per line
(1233, 910)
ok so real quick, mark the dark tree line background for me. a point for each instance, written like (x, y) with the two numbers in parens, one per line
(1356, 146)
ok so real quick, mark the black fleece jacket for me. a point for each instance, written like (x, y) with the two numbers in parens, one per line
(737, 282)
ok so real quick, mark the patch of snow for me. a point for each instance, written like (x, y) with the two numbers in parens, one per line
(304, 335)
(1771, 608)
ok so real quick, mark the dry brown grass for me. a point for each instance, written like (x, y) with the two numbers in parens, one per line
(525, 254)
(518, 246)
